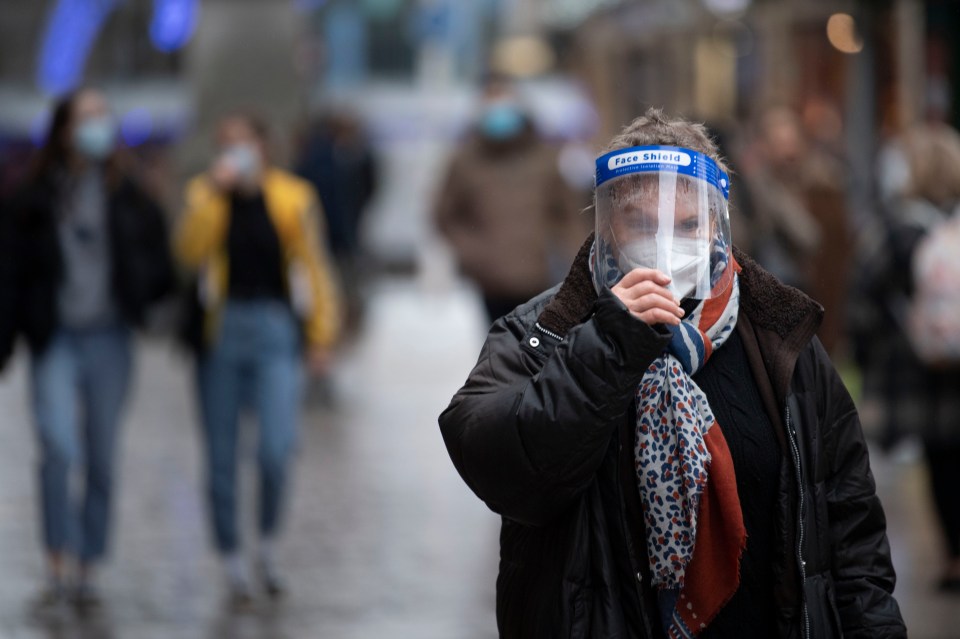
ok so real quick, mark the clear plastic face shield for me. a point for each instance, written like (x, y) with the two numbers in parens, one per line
(664, 208)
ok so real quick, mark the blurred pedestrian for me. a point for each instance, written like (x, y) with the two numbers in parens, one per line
(920, 179)
(337, 159)
(251, 233)
(669, 446)
(89, 256)
(798, 191)
(744, 225)
(504, 205)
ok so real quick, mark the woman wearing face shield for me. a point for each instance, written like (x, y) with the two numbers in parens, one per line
(251, 234)
(668, 444)
(87, 250)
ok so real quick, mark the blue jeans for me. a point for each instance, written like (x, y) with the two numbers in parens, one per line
(79, 384)
(255, 363)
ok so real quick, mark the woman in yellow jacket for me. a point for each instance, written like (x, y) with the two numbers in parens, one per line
(250, 233)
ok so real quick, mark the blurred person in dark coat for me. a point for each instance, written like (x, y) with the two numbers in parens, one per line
(919, 176)
(801, 229)
(86, 255)
(670, 449)
(504, 206)
(337, 159)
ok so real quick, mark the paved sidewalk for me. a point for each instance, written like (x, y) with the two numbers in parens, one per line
(384, 539)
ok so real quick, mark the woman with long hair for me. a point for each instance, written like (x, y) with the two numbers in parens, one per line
(88, 255)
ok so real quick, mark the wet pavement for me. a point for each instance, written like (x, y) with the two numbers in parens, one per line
(383, 539)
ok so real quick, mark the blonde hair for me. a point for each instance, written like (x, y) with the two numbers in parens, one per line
(932, 152)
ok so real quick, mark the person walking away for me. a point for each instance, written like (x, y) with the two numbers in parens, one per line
(338, 160)
(251, 234)
(801, 222)
(670, 449)
(88, 257)
(504, 206)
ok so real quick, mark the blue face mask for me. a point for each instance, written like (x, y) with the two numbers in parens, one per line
(502, 121)
(96, 137)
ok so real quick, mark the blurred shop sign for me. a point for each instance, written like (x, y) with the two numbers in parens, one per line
(174, 21)
(72, 28)
(70, 32)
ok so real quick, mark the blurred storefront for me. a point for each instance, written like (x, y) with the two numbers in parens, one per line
(886, 62)
(349, 43)
(714, 59)
(406, 67)
(132, 49)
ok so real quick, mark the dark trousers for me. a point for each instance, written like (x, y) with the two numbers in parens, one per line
(943, 461)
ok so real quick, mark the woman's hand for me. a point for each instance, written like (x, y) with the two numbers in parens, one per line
(643, 291)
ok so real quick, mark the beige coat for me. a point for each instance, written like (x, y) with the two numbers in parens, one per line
(509, 215)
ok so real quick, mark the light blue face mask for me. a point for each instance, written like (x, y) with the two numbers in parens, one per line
(95, 138)
(244, 159)
(502, 121)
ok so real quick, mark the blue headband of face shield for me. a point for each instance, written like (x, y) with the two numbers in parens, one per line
(658, 159)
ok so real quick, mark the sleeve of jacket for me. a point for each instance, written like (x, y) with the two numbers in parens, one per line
(322, 324)
(447, 200)
(861, 565)
(452, 208)
(527, 438)
(203, 225)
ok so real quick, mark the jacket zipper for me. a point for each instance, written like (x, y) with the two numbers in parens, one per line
(625, 531)
(802, 532)
(559, 338)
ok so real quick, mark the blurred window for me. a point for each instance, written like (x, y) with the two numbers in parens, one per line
(118, 46)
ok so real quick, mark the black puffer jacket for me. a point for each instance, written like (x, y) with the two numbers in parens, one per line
(543, 433)
(32, 264)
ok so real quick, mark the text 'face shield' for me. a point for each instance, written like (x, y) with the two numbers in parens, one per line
(664, 208)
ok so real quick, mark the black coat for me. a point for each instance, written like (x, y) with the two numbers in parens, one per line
(31, 266)
(543, 431)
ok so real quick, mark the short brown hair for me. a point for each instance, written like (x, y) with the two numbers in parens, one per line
(653, 127)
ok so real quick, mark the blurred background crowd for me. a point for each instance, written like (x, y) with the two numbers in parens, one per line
(405, 171)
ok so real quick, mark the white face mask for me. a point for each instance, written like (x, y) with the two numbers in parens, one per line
(244, 159)
(688, 264)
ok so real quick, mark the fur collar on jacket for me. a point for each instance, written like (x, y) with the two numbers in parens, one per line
(770, 305)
